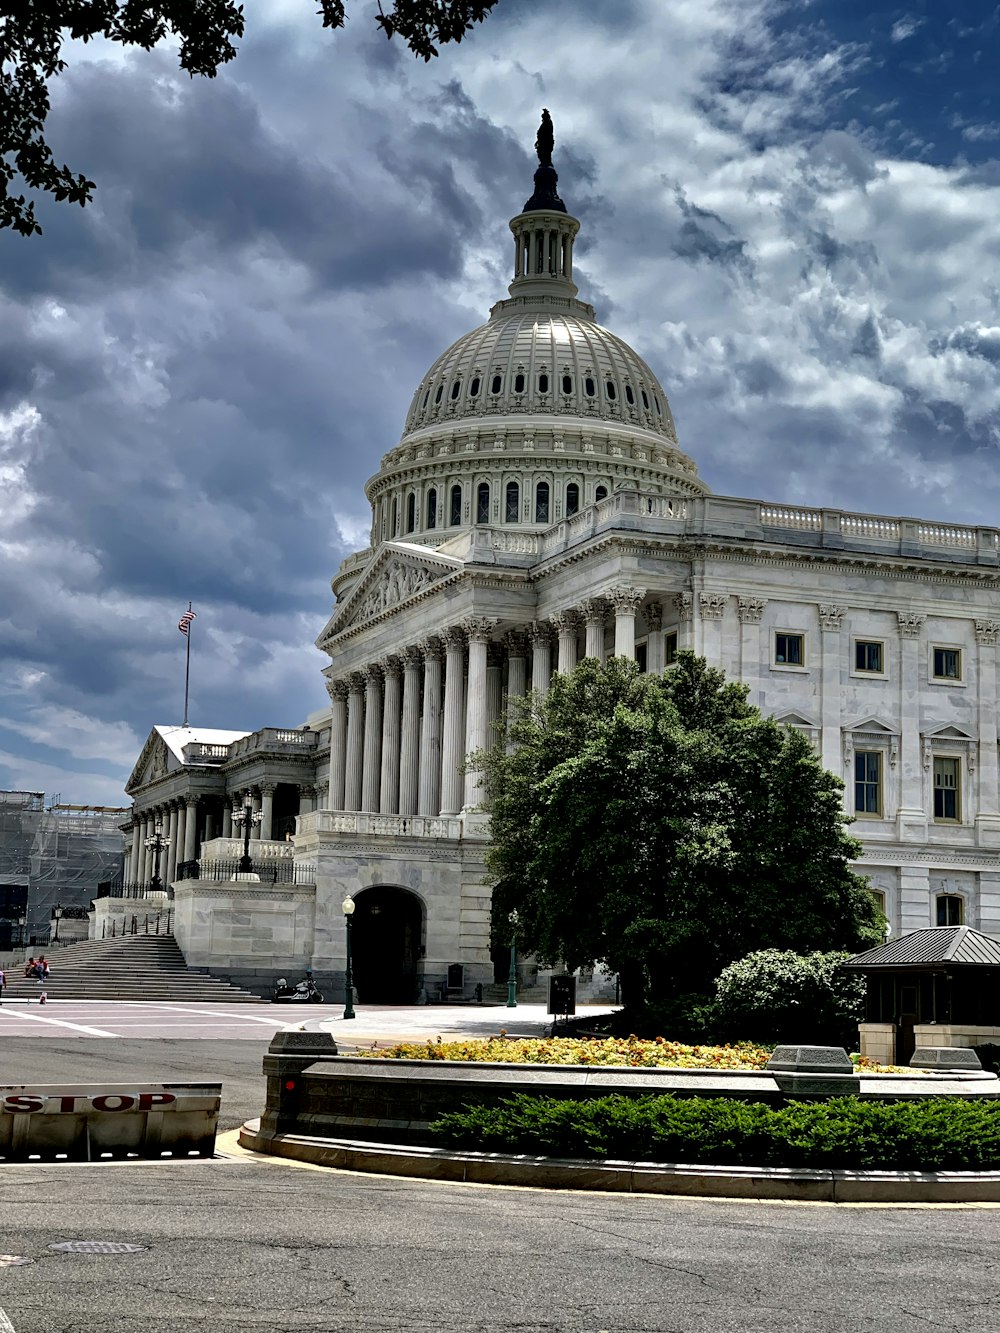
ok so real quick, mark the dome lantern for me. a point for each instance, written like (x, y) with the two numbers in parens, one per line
(544, 231)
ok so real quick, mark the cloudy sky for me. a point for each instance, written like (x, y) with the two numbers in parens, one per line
(789, 208)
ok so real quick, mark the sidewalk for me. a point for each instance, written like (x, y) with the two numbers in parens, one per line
(387, 1024)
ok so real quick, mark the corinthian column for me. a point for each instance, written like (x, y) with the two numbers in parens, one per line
(541, 657)
(191, 829)
(517, 664)
(479, 630)
(988, 792)
(267, 811)
(171, 832)
(451, 776)
(594, 611)
(388, 800)
(566, 623)
(409, 760)
(136, 849)
(355, 742)
(430, 735)
(373, 739)
(911, 818)
(338, 741)
(626, 601)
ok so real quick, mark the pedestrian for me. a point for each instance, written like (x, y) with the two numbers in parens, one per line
(29, 967)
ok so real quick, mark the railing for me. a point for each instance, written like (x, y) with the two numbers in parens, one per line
(800, 520)
(362, 822)
(126, 890)
(159, 924)
(269, 872)
(228, 849)
(273, 738)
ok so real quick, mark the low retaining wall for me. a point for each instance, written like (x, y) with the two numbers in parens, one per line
(83, 1123)
(313, 1091)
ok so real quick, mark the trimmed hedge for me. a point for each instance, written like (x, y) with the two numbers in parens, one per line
(842, 1133)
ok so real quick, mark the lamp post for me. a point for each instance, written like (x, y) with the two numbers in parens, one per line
(347, 906)
(512, 978)
(246, 816)
(57, 912)
(157, 844)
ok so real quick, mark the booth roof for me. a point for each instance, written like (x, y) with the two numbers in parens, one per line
(958, 945)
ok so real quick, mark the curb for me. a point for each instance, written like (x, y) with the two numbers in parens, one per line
(717, 1182)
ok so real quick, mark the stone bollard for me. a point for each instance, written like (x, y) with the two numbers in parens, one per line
(813, 1071)
(288, 1054)
(945, 1057)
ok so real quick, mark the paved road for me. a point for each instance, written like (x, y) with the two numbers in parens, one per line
(237, 1246)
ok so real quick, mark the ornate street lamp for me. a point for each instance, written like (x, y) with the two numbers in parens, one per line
(246, 816)
(57, 912)
(512, 978)
(347, 906)
(157, 844)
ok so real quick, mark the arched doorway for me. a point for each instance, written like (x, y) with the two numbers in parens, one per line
(386, 932)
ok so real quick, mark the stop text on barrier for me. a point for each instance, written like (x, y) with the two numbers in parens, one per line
(81, 1103)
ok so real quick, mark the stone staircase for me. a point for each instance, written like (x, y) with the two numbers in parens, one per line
(133, 967)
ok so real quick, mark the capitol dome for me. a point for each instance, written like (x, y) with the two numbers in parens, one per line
(533, 416)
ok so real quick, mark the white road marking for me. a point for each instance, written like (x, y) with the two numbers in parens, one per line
(5, 1325)
(274, 1021)
(59, 1023)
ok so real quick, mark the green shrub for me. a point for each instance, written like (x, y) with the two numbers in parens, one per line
(778, 996)
(842, 1133)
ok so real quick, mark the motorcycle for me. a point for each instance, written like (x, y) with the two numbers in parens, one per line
(305, 992)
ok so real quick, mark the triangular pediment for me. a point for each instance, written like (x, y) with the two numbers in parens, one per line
(873, 725)
(399, 572)
(949, 733)
(794, 719)
(151, 764)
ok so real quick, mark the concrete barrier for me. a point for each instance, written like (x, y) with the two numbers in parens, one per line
(83, 1122)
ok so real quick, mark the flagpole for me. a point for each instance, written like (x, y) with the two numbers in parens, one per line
(187, 664)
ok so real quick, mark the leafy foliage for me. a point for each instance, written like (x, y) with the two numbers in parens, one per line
(32, 36)
(778, 995)
(664, 827)
(843, 1133)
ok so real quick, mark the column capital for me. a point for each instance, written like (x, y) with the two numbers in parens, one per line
(986, 632)
(479, 628)
(307, 789)
(594, 610)
(654, 616)
(356, 683)
(684, 602)
(336, 689)
(566, 622)
(910, 624)
(454, 637)
(626, 601)
(712, 605)
(750, 609)
(372, 674)
(432, 649)
(831, 616)
(540, 632)
(190, 801)
(268, 788)
(390, 665)
(517, 643)
(412, 656)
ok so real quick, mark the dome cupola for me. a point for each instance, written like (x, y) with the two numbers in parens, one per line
(537, 413)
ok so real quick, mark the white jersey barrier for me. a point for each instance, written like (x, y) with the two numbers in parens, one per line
(85, 1122)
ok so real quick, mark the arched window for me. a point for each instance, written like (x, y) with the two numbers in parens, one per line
(426, 397)
(483, 502)
(440, 391)
(474, 387)
(411, 512)
(601, 493)
(496, 384)
(395, 515)
(543, 384)
(612, 392)
(542, 502)
(456, 506)
(519, 384)
(432, 509)
(567, 384)
(456, 389)
(950, 909)
(645, 399)
(572, 498)
(629, 395)
(513, 502)
(588, 387)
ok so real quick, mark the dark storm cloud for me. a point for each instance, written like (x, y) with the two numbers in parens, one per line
(705, 235)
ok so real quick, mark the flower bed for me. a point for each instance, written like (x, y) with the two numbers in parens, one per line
(628, 1051)
(844, 1133)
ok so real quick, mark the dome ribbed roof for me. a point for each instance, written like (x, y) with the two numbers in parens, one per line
(529, 358)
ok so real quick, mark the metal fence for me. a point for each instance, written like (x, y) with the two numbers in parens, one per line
(283, 871)
(156, 923)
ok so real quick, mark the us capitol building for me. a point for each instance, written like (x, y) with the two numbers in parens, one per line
(538, 509)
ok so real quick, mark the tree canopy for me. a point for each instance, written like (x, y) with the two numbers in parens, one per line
(33, 34)
(663, 827)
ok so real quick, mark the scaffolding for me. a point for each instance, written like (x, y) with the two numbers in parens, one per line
(52, 854)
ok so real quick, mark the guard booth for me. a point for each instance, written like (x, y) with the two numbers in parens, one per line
(937, 987)
(562, 995)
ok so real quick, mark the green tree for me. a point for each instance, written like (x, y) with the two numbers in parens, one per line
(777, 995)
(33, 33)
(663, 827)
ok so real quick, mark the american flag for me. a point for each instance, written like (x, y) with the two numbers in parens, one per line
(186, 619)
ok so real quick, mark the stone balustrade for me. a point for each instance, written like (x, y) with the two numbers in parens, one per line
(230, 849)
(395, 826)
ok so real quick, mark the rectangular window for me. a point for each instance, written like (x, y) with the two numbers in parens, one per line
(947, 807)
(868, 655)
(789, 649)
(670, 648)
(868, 782)
(947, 664)
(640, 656)
(950, 909)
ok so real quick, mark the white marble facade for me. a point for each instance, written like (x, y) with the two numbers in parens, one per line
(538, 509)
